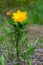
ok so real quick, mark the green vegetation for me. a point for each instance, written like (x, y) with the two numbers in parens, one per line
(34, 9)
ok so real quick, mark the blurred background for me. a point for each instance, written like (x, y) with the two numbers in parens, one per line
(34, 8)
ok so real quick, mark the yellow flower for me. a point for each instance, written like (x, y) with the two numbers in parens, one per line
(19, 16)
(8, 13)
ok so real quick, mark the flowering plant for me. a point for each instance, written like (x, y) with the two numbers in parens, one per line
(20, 50)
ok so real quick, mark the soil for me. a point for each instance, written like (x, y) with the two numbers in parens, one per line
(36, 32)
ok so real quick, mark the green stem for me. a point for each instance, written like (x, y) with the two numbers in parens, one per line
(17, 50)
